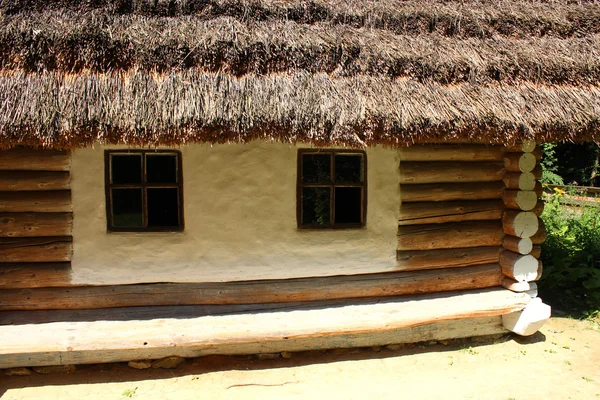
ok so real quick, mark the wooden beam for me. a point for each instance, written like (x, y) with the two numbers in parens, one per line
(450, 211)
(519, 162)
(51, 201)
(38, 249)
(522, 224)
(450, 172)
(520, 180)
(269, 291)
(451, 191)
(517, 245)
(536, 251)
(515, 286)
(540, 236)
(34, 275)
(529, 320)
(527, 146)
(35, 224)
(447, 258)
(525, 200)
(35, 160)
(451, 153)
(522, 268)
(34, 180)
(308, 327)
(450, 236)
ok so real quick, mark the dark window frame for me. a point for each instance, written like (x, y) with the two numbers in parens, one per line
(144, 186)
(332, 185)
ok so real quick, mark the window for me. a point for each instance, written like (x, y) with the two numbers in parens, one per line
(331, 189)
(143, 190)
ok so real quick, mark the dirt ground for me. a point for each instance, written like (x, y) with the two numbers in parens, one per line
(562, 361)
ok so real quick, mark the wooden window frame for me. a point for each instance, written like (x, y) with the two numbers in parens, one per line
(300, 185)
(144, 185)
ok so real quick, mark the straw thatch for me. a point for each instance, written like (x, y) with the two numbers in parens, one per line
(150, 72)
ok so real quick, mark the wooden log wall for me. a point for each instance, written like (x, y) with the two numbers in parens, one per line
(451, 206)
(36, 218)
(464, 205)
(523, 229)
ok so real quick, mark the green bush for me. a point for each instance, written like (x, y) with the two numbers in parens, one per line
(571, 256)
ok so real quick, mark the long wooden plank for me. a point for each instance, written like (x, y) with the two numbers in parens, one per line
(35, 224)
(51, 201)
(447, 258)
(450, 236)
(290, 330)
(34, 180)
(436, 212)
(35, 160)
(450, 172)
(451, 191)
(34, 275)
(452, 152)
(38, 249)
(270, 291)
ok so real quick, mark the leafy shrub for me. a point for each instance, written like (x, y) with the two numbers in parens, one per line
(571, 255)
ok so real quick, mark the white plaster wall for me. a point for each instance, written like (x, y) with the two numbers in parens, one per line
(240, 222)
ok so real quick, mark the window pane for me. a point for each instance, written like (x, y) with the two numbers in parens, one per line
(163, 207)
(348, 168)
(316, 168)
(161, 168)
(127, 208)
(315, 206)
(348, 207)
(126, 168)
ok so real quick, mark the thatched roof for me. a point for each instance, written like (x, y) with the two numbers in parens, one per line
(353, 72)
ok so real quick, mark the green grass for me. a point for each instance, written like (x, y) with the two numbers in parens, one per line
(571, 258)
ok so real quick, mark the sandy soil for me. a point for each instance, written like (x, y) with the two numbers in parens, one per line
(560, 362)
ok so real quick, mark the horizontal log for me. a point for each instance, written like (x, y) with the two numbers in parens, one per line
(527, 146)
(436, 212)
(519, 162)
(447, 258)
(38, 249)
(451, 191)
(450, 172)
(536, 251)
(539, 208)
(450, 235)
(515, 286)
(540, 236)
(522, 268)
(522, 224)
(35, 224)
(517, 244)
(525, 200)
(268, 291)
(34, 180)
(35, 160)
(34, 275)
(520, 180)
(451, 152)
(51, 201)
(310, 326)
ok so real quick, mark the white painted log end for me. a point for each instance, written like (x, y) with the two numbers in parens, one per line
(515, 286)
(527, 181)
(522, 224)
(533, 290)
(529, 320)
(523, 268)
(527, 146)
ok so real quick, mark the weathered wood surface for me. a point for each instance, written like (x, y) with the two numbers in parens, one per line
(450, 172)
(50, 201)
(536, 251)
(451, 191)
(539, 208)
(526, 146)
(35, 160)
(521, 224)
(515, 286)
(517, 244)
(451, 153)
(315, 326)
(34, 180)
(270, 291)
(522, 268)
(540, 236)
(525, 200)
(450, 236)
(449, 211)
(35, 224)
(447, 258)
(38, 249)
(519, 162)
(34, 275)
